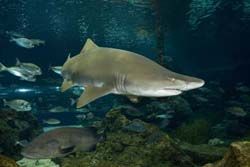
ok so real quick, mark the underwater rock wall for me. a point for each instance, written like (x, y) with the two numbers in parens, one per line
(130, 143)
(237, 156)
(14, 127)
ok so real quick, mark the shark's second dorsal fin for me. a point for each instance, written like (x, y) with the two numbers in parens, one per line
(88, 45)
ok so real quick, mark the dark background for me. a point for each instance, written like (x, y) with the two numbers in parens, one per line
(210, 41)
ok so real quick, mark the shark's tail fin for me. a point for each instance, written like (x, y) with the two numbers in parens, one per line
(2, 67)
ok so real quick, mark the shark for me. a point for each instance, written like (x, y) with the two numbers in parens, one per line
(102, 71)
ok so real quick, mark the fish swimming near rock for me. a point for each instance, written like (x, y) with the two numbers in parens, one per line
(26, 43)
(20, 72)
(61, 142)
(58, 109)
(237, 111)
(52, 121)
(104, 70)
(30, 67)
(164, 116)
(18, 104)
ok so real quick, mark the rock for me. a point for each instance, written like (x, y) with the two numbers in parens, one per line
(123, 148)
(16, 126)
(203, 153)
(7, 162)
(238, 155)
(135, 126)
(196, 131)
(36, 163)
(130, 111)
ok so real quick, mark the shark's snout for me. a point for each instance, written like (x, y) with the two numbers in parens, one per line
(197, 83)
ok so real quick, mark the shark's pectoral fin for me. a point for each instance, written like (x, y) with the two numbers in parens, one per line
(91, 93)
(88, 46)
(66, 85)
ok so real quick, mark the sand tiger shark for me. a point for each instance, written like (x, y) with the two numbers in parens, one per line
(102, 70)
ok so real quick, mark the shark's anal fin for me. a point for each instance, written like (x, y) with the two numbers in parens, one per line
(88, 46)
(91, 93)
(66, 85)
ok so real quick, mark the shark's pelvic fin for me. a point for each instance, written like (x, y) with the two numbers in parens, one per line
(66, 85)
(88, 46)
(91, 93)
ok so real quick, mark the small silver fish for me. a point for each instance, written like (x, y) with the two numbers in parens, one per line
(23, 42)
(52, 121)
(27, 43)
(81, 117)
(18, 104)
(82, 110)
(58, 109)
(30, 67)
(237, 111)
(57, 69)
(19, 72)
(164, 116)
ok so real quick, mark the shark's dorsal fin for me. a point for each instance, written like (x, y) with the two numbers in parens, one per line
(90, 94)
(66, 85)
(88, 46)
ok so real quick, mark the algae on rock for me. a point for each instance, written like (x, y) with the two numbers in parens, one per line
(195, 132)
(7, 162)
(16, 126)
(237, 156)
(126, 148)
(36, 163)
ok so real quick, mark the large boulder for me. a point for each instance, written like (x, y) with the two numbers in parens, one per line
(16, 126)
(203, 153)
(237, 156)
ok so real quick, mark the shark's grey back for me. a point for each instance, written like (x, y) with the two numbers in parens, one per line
(105, 63)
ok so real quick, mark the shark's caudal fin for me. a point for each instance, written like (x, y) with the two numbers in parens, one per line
(91, 93)
(89, 44)
(2, 67)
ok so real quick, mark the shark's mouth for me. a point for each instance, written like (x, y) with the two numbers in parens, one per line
(172, 92)
(171, 89)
